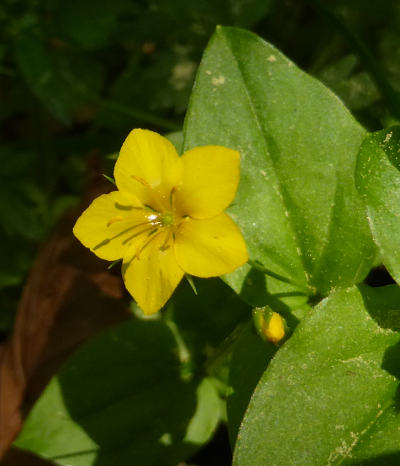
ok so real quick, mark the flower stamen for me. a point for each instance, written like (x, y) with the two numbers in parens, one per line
(141, 181)
(127, 230)
(139, 251)
(115, 219)
(165, 244)
(127, 240)
(172, 198)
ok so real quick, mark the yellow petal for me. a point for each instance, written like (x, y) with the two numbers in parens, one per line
(152, 275)
(210, 247)
(210, 180)
(148, 166)
(109, 224)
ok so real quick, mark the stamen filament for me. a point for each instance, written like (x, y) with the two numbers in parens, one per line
(172, 199)
(138, 252)
(128, 229)
(138, 234)
(115, 219)
(164, 246)
(141, 181)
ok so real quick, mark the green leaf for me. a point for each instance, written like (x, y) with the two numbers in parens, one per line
(177, 140)
(378, 181)
(329, 396)
(123, 399)
(296, 204)
(209, 411)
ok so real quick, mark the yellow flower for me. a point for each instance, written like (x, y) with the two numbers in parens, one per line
(167, 217)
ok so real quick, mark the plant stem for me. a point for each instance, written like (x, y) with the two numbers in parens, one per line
(256, 265)
(224, 349)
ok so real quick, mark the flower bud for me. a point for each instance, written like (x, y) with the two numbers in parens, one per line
(270, 325)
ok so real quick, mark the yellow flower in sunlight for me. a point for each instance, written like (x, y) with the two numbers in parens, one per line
(166, 219)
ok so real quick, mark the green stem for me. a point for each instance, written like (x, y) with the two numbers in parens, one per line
(256, 265)
(224, 349)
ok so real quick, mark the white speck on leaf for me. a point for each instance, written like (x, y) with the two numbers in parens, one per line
(218, 81)
(387, 138)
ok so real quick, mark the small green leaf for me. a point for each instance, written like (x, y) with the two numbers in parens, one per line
(189, 279)
(114, 263)
(378, 181)
(329, 396)
(108, 178)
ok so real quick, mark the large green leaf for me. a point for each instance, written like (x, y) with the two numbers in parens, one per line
(296, 204)
(329, 396)
(122, 399)
(378, 181)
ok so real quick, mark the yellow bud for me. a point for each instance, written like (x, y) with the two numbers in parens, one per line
(275, 330)
(269, 324)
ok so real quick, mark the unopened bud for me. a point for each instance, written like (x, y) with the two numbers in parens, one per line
(270, 325)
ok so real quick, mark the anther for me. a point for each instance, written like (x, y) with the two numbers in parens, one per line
(115, 219)
(141, 181)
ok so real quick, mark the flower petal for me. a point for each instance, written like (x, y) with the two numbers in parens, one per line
(210, 180)
(148, 166)
(210, 247)
(152, 275)
(108, 225)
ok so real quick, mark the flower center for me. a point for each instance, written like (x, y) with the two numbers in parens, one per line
(156, 222)
(167, 219)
